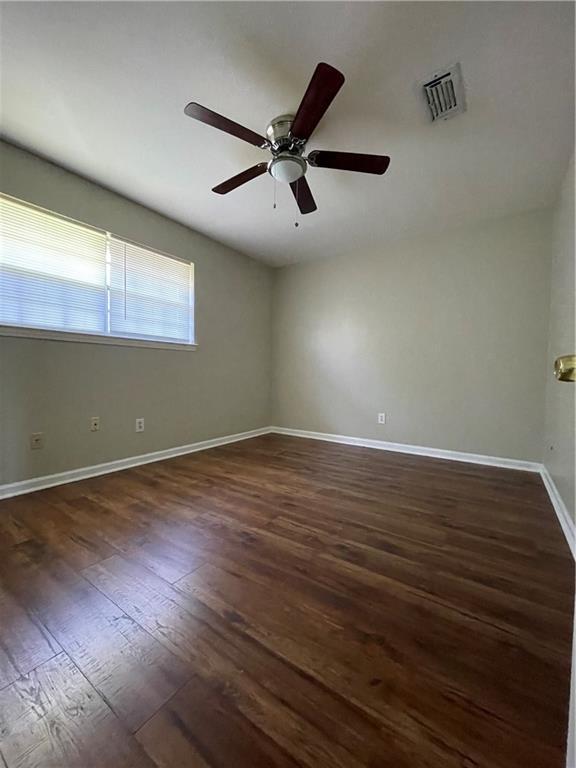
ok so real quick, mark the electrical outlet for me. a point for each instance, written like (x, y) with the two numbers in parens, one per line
(139, 425)
(36, 440)
(381, 418)
(95, 424)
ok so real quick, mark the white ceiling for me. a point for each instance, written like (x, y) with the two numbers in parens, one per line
(100, 88)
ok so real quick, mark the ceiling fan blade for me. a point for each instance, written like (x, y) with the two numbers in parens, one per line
(303, 195)
(205, 115)
(324, 85)
(349, 161)
(240, 178)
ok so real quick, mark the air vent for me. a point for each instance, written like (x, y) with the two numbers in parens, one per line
(444, 93)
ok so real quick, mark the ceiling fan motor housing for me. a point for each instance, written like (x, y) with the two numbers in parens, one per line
(287, 165)
(278, 131)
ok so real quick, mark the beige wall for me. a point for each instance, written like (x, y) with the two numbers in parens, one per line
(184, 396)
(447, 335)
(560, 396)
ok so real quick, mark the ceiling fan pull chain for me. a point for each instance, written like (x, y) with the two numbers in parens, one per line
(274, 194)
(297, 198)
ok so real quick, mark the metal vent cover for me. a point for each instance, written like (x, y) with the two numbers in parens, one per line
(444, 93)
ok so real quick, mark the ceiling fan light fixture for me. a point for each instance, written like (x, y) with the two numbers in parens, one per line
(287, 168)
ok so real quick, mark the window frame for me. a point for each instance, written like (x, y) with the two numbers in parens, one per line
(52, 334)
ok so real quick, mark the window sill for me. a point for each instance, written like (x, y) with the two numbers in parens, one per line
(87, 338)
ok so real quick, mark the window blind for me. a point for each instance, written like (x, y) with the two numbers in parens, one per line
(150, 294)
(52, 271)
(60, 275)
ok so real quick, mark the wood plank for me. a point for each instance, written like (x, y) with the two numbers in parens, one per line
(130, 528)
(503, 599)
(367, 572)
(53, 718)
(12, 528)
(187, 733)
(423, 638)
(503, 570)
(360, 669)
(24, 644)
(313, 725)
(133, 672)
(58, 532)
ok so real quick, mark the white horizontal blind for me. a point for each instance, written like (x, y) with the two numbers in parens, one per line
(52, 271)
(60, 275)
(150, 294)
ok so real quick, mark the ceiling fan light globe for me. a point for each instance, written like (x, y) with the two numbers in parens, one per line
(287, 168)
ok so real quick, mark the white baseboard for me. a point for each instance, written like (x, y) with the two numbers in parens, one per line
(564, 518)
(416, 450)
(82, 473)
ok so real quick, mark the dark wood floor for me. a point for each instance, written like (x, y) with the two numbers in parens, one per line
(283, 602)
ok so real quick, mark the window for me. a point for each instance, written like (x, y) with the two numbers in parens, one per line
(58, 275)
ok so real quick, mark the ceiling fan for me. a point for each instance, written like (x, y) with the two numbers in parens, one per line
(286, 138)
